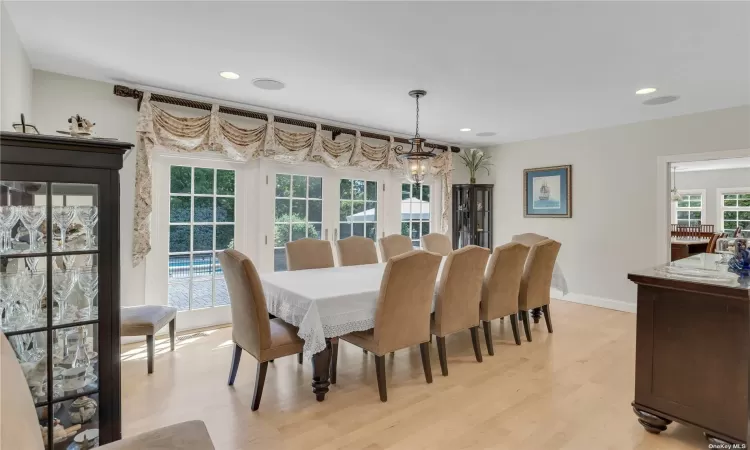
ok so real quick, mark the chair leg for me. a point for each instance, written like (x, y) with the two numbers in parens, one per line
(547, 317)
(514, 325)
(260, 379)
(172, 329)
(236, 354)
(334, 358)
(150, 352)
(424, 349)
(441, 355)
(380, 373)
(488, 337)
(299, 358)
(475, 342)
(526, 328)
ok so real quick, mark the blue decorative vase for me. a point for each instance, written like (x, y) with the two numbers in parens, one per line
(740, 262)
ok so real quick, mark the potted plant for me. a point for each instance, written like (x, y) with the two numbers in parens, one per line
(475, 159)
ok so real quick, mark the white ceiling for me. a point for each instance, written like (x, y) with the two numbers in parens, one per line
(712, 164)
(520, 69)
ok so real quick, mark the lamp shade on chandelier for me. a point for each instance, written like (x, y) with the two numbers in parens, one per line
(418, 160)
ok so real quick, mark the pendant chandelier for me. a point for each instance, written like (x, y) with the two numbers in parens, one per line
(418, 160)
(676, 197)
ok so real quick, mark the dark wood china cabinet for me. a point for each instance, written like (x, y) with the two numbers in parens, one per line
(472, 215)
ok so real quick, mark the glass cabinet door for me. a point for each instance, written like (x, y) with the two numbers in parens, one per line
(49, 301)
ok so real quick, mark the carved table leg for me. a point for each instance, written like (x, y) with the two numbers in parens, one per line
(536, 313)
(321, 362)
(650, 422)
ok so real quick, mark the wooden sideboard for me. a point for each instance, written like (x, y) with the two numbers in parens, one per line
(692, 346)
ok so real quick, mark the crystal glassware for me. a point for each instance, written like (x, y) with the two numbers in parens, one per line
(8, 292)
(32, 217)
(63, 216)
(33, 287)
(88, 215)
(88, 281)
(8, 219)
(82, 355)
(63, 282)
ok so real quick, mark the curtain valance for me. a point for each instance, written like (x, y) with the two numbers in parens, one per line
(159, 129)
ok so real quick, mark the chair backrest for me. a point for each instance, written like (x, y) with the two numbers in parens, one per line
(356, 251)
(529, 239)
(537, 275)
(394, 245)
(20, 426)
(711, 247)
(251, 328)
(437, 243)
(502, 281)
(459, 290)
(402, 315)
(309, 253)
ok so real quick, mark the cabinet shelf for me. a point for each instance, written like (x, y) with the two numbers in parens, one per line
(472, 206)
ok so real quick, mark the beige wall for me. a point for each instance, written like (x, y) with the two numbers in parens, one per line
(613, 229)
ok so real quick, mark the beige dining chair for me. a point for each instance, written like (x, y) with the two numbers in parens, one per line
(536, 282)
(437, 243)
(20, 427)
(502, 282)
(402, 314)
(528, 239)
(252, 330)
(356, 251)
(457, 298)
(394, 245)
(309, 253)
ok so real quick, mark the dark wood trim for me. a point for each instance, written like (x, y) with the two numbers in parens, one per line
(380, 375)
(124, 91)
(321, 362)
(424, 350)
(526, 327)
(236, 355)
(488, 337)
(536, 314)
(514, 326)
(475, 343)
(260, 380)
(441, 355)
(334, 358)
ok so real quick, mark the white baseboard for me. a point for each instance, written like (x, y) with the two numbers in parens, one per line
(591, 300)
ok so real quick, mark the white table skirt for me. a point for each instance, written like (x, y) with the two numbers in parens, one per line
(326, 303)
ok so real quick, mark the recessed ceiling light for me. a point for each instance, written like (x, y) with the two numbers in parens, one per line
(229, 75)
(645, 91)
(661, 100)
(268, 84)
(465, 129)
(486, 134)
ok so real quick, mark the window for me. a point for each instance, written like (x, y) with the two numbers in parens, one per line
(298, 213)
(690, 210)
(358, 208)
(415, 212)
(201, 222)
(735, 211)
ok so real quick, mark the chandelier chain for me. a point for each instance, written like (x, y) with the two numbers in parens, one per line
(417, 133)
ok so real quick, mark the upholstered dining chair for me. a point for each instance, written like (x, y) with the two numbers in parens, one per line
(437, 243)
(20, 428)
(394, 245)
(457, 298)
(252, 330)
(309, 253)
(536, 282)
(528, 239)
(502, 282)
(356, 251)
(402, 314)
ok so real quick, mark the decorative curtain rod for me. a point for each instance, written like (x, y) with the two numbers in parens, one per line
(124, 91)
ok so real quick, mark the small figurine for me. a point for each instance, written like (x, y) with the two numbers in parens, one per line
(740, 262)
(80, 126)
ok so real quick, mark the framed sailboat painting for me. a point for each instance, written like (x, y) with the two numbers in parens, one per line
(548, 192)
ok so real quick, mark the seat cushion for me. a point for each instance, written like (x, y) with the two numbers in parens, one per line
(145, 320)
(191, 435)
(284, 341)
(363, 339)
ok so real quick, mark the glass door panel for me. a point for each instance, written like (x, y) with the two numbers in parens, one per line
(358, 208)
(298, 212)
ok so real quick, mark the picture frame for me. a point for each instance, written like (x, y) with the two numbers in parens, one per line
(548, 192)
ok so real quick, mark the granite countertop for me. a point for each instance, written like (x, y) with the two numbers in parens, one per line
(704, 269)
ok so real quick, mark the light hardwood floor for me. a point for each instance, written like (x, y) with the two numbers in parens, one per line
(568, 390)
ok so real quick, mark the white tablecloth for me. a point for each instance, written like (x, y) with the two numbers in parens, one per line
(326, 303)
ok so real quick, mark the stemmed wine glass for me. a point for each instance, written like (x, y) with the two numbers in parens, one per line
(8, 290)
(33, 287)
(8, 219)
(63, 216)
(89, 215)
(88, 281)
(32, 217)
(63, 282)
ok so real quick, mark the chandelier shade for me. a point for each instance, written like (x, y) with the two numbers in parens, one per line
(418, 160)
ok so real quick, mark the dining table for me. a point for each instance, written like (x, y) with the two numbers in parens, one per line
(325, 304)
(682, 248)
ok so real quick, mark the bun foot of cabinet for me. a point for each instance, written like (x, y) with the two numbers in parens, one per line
(651, 422)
